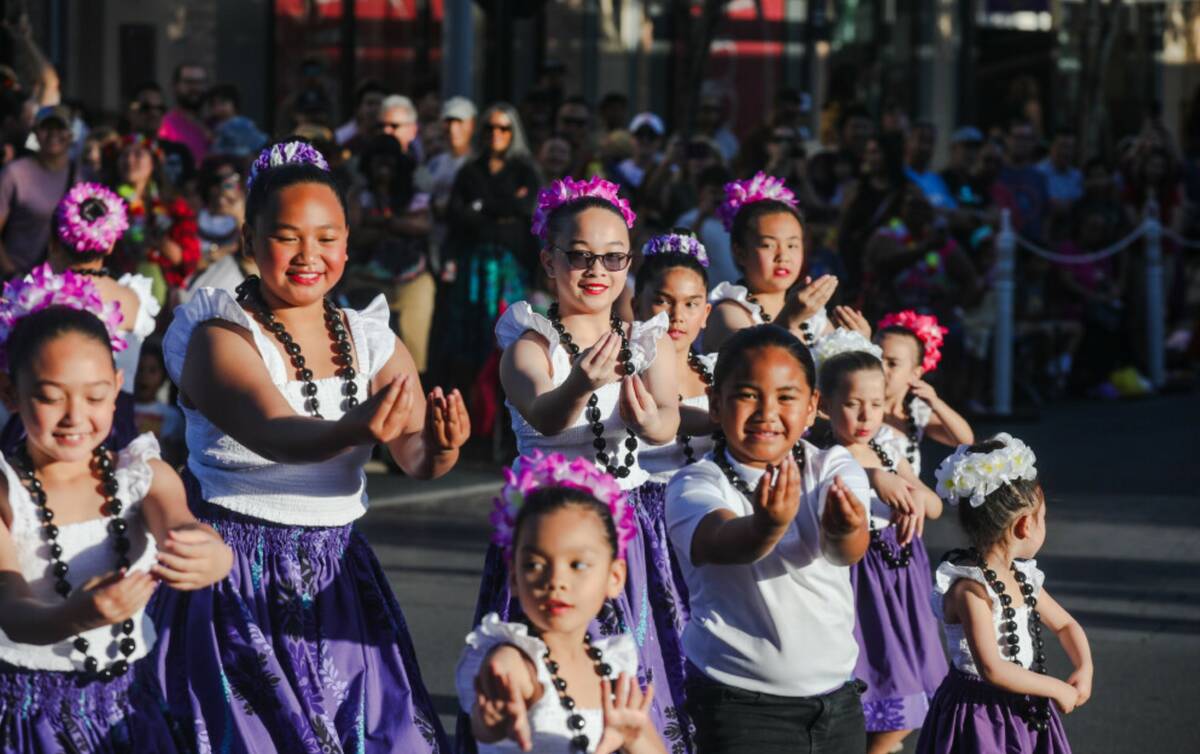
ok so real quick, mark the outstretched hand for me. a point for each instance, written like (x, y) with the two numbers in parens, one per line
(777, 497)
(626, 713)
(500, 695)
(843, 513)
(447, 423)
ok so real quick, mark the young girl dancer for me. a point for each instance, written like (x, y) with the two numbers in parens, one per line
(532, 686)
(86, 533)
(767, 235)
(992, 605)
(87, 223)
(900, 653)
(764, 528)
(303, 647)
(584, 383)
(912, 346)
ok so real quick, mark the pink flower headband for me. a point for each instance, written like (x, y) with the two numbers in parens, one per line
(927, 330)
(538, 470)
(569, 190)
(677, 243)
(80, 228)
(760, 188)
(41, 289)
(293, 152)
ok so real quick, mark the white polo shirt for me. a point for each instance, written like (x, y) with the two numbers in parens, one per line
(784, 624)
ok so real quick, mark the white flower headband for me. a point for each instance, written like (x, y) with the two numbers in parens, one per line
(976, 475)
(842, 341)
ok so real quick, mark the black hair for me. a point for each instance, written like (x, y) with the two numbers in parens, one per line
(714, 175)
(383, 146)
(750, 213)
(852, 111)
(370, 86)
(33, 332)
(228, 92)
(209, 174)
(146, 86)
(655, 266)
(836, 368)
(271, 181)
(563, 214)
(900, 330)
(985, 525)
(732, 353)
(549, 499)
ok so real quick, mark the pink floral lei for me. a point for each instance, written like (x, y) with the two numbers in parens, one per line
(83, 235)
(760, 188)
(927, 330)
(569, 190)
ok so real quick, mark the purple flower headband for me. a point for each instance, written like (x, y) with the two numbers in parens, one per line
(569, 190)
(286, 153)
(538, 470)
(760, 188)
(677, 243)
(96, 234)
(41, 289)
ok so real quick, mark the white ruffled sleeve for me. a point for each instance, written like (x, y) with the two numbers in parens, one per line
(491, 633)
(944, 577)
(148, 306)
(133, 463)
(726, 291)
(373, 336)
(1033, 573)
(519, 319)
(215, 303)
(643, 340)
(922, 412)
(620, 652)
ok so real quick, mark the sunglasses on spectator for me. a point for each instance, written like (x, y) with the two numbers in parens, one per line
(156, 107)
(583, 260)
(499, 127)
(388, 127)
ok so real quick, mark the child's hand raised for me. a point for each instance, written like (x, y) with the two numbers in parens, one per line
(193, 557)
(776, 501)
(851, 319)
(383, 417)
(109, 598)
(638, 408)
(596, 366)
(447, 424)
(626, 714)
(813, 297)
(924, 391)
(502, 685)
(843, 514)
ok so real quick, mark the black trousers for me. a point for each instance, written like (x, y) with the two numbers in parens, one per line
(730, 720)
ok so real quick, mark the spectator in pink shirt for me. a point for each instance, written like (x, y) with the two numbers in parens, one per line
(184, 123)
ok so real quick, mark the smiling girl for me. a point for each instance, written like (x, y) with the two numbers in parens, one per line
(303, 646)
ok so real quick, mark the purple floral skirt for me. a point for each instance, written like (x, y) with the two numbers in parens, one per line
(900, 653)
(46, 711)
(302, 648)
(648, 610)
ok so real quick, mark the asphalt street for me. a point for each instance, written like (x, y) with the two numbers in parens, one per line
(1122, 554)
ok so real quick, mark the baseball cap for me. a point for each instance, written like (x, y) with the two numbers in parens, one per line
(967, 135)
(647, 120)
(53, 112)
(458, 108)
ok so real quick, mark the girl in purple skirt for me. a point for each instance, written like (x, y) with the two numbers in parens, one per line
(583, 383)
(900, 654)
(303, 647)
(997, 698)
(86, 534)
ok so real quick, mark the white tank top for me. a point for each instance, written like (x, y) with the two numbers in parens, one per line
(662, 461)
(576, 440)
(329, 493)
(87, 551)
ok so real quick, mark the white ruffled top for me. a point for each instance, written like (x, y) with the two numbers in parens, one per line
(143, 325)
(956, 641)
(897, 442)
(662, 461)
(87, 551)
(547, 718)
(741, 294)
(577, 439)
(329, 493)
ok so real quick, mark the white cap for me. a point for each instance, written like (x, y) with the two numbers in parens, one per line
(643, 120)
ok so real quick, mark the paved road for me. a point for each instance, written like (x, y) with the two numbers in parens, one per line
(1122, 554)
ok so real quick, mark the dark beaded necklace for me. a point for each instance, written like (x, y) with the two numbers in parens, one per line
(894, 558)
(250, 297)
(731, 474)
(1037, 714)
(103, 272)
(752, 299)
(612, 463)
(575, 721)
(914, 432)
(685, 441)
(103, 469)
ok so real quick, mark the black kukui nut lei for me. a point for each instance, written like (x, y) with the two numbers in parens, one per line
(250, 297)
(914, 432)
(894, 558)
(104, 469)
(731, 474)
(612, 464)
(576, 721)
(685, 441)
(807, 337)
(1037, 714)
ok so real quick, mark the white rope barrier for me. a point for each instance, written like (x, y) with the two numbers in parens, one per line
(1188, 243)
(1093, 256)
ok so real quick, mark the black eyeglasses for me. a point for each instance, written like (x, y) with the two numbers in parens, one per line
(498, 127)
(583, 260)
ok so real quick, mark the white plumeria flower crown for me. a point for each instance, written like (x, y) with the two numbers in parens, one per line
(842, 341)
(974, 476)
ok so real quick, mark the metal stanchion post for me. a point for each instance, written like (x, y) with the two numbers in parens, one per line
(1155, 307)
(1002, 348)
